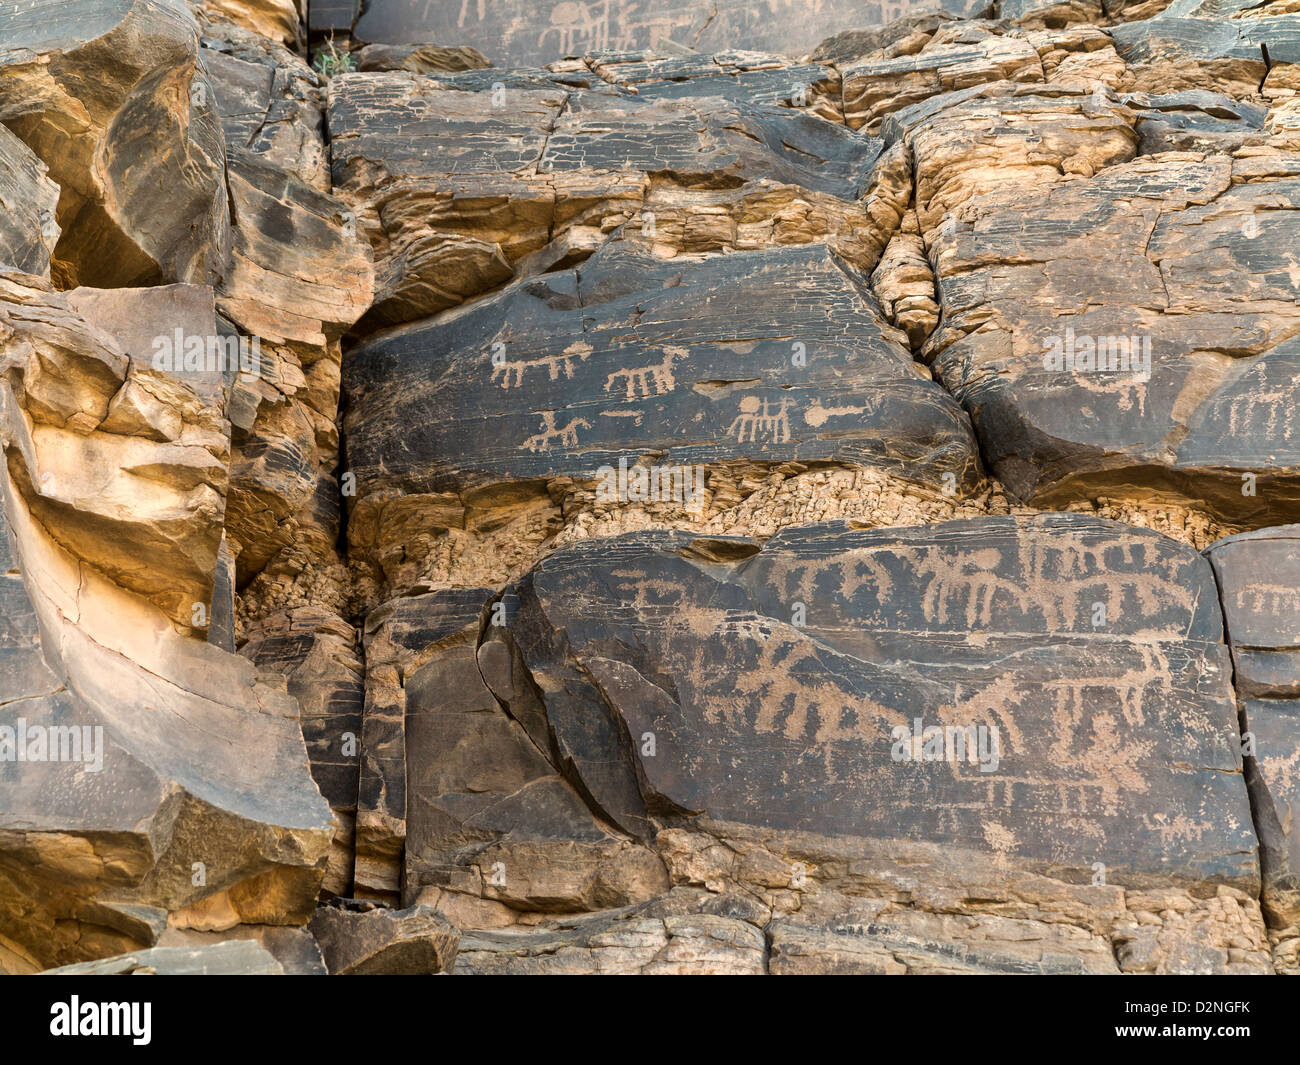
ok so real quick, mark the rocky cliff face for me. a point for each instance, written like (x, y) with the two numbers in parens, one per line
(491, 489)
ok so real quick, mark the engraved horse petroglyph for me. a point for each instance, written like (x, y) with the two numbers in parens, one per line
(512, 374)
(647, 381)
(566, 436)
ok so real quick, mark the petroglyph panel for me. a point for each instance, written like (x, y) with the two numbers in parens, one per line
(1048, 575)
(1165, 364)
(698, 362)
(690, 678)
(517, 32)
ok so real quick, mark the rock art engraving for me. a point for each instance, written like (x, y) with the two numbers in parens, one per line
(761, 421)
(646, 381)
(551, 436)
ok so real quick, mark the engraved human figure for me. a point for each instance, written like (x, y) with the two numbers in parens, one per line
(1265, 410)
(550, 435)
(573, 21)
(761, 421)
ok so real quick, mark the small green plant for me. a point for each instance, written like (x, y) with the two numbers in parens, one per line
(330, 60)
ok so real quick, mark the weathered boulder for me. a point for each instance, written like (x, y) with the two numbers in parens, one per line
(563, 380)
(110, 96)
(366, 940)
(464, 801)
(143, 776)
(275, 20)
(270, 101)
(28, 230)
(120, 450)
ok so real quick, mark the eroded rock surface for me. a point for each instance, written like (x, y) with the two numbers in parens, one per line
(372, 941)
(1257, 586)
(514, 32)
(653, 504)
(579, 372)
(497, 174)
(110, 96)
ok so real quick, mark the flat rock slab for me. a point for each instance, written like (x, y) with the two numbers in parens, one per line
(875, 88)
(294, 948)
(465, 181)
(1194, 121)
(685, 932)
(686, 677)
(693, 361)
(513, 32)
(1259, 583)
(1217, 51)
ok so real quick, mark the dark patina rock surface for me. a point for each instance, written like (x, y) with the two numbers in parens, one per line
(1259, 586)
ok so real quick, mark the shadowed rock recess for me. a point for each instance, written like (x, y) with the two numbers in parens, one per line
(564, 488)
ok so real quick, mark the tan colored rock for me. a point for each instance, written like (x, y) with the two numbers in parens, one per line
(366, 940)
(904, 282)
(178, 784)
(953, 59)
(276, 20)
(220, 959)
(124, 463)
(420, 58)
(110, 96)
